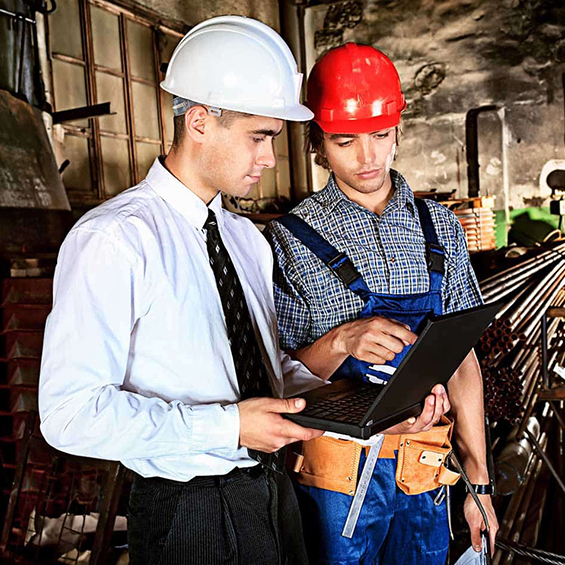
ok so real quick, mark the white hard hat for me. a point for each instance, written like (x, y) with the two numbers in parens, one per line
(239, 64)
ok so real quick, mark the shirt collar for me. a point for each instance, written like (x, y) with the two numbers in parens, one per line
(181, 198)
(402, 197)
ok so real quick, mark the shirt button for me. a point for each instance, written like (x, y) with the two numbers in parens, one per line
(392, 259)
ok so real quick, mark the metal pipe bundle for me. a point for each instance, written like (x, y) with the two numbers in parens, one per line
(508, 350)
(510, 356)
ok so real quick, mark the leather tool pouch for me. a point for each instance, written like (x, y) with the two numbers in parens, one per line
(333, 464)
(329, 463)
(421, 459)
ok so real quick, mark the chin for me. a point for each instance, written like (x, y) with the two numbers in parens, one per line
(367, 187)
(242, 191)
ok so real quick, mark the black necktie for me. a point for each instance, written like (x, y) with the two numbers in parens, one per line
(251, 373)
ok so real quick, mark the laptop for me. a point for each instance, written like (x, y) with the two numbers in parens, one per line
(362, 409)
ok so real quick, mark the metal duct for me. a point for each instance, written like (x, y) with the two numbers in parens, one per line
(34, 209)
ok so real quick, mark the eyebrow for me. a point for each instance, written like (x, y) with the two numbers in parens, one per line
(270, 132)
(339, 135)
(352, 135)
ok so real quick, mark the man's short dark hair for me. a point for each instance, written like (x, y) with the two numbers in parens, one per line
(179, 131)
(226, 120)
(315, 144)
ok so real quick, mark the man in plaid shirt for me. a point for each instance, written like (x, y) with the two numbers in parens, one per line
(368, 214)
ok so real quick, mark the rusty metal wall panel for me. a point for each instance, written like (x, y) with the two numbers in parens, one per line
(69, 88)
(140, 39)
(64, 29)
(28, 172)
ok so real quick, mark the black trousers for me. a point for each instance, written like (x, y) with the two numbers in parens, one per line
(247, 517)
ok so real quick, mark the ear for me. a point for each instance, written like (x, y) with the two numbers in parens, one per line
(196, 122)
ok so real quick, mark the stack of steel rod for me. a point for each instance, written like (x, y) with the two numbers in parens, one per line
(509, 349)
(510, 357)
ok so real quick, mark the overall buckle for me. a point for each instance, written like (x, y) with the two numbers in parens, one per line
(435, 258)
(342, 266)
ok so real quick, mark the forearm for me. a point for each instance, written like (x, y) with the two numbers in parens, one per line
(324, 356)
(466, 396)
(85, 409)
(374, 340)
(297, 378)
(114, 424)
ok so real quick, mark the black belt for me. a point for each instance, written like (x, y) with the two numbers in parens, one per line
(211, 480)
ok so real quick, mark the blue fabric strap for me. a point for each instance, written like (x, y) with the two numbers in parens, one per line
(338, 262)
(344, 268)
(435, 254)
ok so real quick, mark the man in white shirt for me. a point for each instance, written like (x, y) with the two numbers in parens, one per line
(142, 362)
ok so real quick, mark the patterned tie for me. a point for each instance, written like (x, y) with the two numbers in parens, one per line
(251, 373)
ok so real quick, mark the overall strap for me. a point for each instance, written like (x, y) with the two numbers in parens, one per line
(339, 263)
(435, 254)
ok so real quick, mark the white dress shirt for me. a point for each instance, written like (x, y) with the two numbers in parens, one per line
(136, 362)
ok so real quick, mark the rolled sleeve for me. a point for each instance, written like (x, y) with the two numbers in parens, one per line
(461, 290)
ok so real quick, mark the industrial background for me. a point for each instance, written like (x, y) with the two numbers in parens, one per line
(82, 118)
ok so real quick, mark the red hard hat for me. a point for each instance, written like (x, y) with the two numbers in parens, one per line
(355, 89)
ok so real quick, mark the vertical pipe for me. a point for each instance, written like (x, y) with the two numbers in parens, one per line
(95, 146)
(472, 147)
(472, 152)
(544, 350)
(546, 459)
(505, 173)
(157, 78)
(21, 68)
(128, 91)
(563, 83)
(559, 511)
(292, 31)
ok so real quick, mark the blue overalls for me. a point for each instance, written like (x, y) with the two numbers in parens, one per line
(393, 528)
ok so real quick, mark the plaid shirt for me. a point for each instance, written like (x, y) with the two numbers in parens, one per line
(388, 251)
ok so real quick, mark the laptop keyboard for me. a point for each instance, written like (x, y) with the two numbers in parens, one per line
(349, 408)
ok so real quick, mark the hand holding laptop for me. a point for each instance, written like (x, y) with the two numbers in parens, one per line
(435, 406)
(262, 427)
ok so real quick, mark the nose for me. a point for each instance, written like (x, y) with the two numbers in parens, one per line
(266, 157)
(367, 152)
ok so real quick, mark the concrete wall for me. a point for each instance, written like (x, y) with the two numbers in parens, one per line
(454, 55)
(194, 11)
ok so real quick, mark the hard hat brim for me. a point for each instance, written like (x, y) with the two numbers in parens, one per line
(365, 125)
(295, 113)
(298, 113)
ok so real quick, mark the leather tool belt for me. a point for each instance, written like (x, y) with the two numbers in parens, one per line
(333, 464)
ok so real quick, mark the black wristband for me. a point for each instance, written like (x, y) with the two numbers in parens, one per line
(482, 489)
